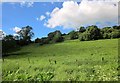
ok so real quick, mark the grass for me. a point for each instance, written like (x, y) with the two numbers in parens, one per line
(70, 60)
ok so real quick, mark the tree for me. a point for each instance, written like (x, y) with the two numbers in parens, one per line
(82, 29)
(106, 30)
(84, 37)
(37, 40)
(9, 45)
(44, 40)
(51, 35)
(94, 32)
(116, 27)
(107, 35)
(26, 34)
(73, 35)
(57, 37)
(115, 34)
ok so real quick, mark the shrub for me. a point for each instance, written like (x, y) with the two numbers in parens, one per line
(82, 29)
(93, 32)
(84, 37)
(57, 37)
(107, 35)
(37, 40)
(9, 46)
(44, 40)
(115, 34)
(73, 35)
(51, 35)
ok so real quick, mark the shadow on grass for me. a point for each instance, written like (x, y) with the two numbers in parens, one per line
(17, 54)
(20, 53)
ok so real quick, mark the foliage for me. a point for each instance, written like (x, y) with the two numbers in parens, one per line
(115, 34)
(94, 32)
(57, 37)
(9, 45)
(85, 37)
(82, 29)
(116, 27)
(44, 40)
(53, 37)
(22, 75)
(107, 35)
(91, 33)
(26, 34)
(37, 40)
(73, 35)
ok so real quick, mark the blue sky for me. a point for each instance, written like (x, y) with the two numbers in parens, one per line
(65, 16)
(15, 15)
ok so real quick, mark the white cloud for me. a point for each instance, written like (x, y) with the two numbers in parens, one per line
(16, 34)
(47, 13)
(73, 15)
(28, 4)
(37, 19)
(16, 29)
(42, 17)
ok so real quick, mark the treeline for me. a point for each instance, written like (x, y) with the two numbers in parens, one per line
(95, 33)
(53, 37)
(83, 34)
(12, 43)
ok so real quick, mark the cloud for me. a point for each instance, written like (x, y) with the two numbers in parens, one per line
(16, 34)
(16, 29)
(47, 13)
(28, 4)
(74, 15)
(42, 17)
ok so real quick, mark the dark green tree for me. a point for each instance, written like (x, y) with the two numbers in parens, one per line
(115, 34)
(82, 29)
(84, 37)
(51, 35)
(26, 34)
(9, 45)
(73, 35)
(37, 40)
(57, 37)
(94, 32)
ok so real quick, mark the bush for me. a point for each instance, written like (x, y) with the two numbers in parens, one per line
(82, 29)
(107, 35)
(23, 42)
(37, 40)
(57, 37)
(115, 34)
(9, 46)
(44, 40)
(51, 35)
(84, 37)
(73, 35)
(93, 32)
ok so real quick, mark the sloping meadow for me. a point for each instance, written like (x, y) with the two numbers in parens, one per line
(70, 60)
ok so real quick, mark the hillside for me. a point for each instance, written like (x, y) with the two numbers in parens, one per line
(70, 60)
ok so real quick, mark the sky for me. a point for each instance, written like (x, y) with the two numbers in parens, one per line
(45, 17)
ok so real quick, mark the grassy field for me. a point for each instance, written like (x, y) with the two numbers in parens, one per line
(70, 60)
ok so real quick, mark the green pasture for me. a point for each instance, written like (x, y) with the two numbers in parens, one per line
(66, 61)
